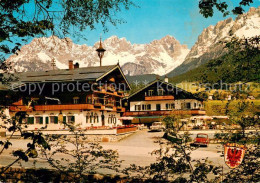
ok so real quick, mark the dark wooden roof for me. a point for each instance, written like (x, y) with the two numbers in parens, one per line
(177, 92)
(65, 75)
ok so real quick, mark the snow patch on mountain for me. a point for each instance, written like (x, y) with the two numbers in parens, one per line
(208, 45)
(157, 57)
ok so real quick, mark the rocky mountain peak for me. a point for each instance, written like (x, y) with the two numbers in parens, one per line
(158, 57)
(208, 44)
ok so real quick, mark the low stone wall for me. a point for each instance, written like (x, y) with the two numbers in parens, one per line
(94, 135)
(108, 138)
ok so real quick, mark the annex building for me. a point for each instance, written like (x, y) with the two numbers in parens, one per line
(160, 98)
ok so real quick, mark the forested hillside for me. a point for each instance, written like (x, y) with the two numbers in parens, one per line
(240, 64)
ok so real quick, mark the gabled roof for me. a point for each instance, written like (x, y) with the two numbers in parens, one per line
(169, 84)
(149, 84)
(65, 75)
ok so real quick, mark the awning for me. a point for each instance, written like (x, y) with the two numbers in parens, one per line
(126, 118)
(220, 117)
(201, 117)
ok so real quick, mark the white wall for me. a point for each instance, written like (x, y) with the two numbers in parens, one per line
(80, 119)
(164, 102)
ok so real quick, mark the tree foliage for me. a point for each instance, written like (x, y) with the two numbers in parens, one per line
(240, 64)
(207, 7)
(24, 19)
(75, 156)
(244, 114)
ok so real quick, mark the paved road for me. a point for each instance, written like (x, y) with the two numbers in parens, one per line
(134, 149)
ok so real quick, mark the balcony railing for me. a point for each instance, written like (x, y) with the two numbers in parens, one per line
(162, 113)
(109, 92)
(163, 97)
(60, 107)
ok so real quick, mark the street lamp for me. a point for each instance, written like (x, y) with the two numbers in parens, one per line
(101, 52)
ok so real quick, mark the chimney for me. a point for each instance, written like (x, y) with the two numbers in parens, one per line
(71, 67)
(76, 65)
(166, 79)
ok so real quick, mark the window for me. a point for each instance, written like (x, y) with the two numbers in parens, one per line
(137, 107)
(170, 106)
(89, 100)
(30, 120)
(109, 119)
(46, 120)
(160, 91)
(114, 119)
(88, 117)
(91, 117)
(150, 92)
(75, 100)
(96, 118)
(158, 107)
(54, 119)
(173, 106)
(71, 119)
(96, 100)
(188, 106)
(195, 105)
(38, 120)
(146, 107)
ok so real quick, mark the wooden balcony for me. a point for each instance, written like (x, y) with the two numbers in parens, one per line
(163, 97)
(120, 109)
(163, 113)
(112, 93)
(53, 107)
(61, 107)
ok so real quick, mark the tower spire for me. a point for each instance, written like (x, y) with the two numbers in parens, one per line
(100, 51)
(53, 63)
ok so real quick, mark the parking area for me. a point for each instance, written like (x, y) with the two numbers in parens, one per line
(135, 149)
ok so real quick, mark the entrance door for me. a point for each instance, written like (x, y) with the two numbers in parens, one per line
(158, 107)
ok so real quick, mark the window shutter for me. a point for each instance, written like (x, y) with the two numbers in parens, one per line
(41, 120)
(64, 119)
(31, 120)
(55, 119)
(46, 120)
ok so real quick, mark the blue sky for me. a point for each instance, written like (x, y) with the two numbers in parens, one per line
(155, 19)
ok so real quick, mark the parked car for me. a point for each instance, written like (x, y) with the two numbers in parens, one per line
(202, 139)
(157, 126)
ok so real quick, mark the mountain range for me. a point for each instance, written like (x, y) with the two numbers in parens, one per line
(208, 45)
(158, 57)
(161, 57)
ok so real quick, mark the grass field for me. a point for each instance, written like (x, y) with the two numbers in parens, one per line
(217, 107)
(194, 87)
